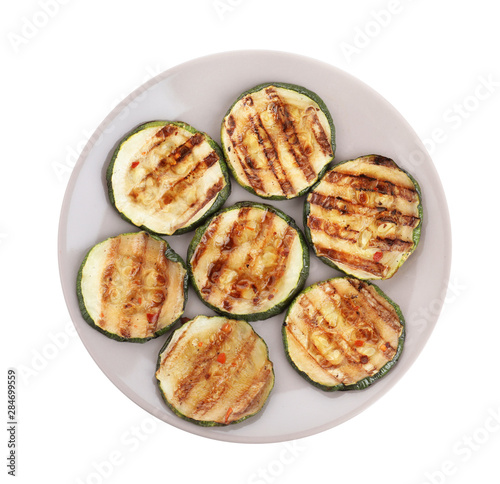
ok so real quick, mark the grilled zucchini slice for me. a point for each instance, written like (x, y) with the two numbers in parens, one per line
(364, 217)
(248, 261)
(132, 287)
(343, 334)
(277, 139)
(215, 371)
(167, 177)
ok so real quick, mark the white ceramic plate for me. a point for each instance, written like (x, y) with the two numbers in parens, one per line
(199, 92)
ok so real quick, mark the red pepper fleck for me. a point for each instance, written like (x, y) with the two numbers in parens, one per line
(221, 358)
(134, 164)
(359, 342)
(377, 256)
(152, 318)
(200, 344)
(228, 414)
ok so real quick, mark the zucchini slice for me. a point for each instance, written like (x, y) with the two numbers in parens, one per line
(364, 217)
(277, 139)
(343, 334)
(167, 177)
(215, 371)
(132, 287)
(248, 261)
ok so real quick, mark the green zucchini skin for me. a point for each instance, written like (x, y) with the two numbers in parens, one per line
(208, 423)
(171, 255)
(278, 308)
(416, 234)
(301, 90)
(365, 382)
(217, 204)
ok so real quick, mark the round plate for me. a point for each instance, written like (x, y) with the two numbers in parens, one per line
(199, 92)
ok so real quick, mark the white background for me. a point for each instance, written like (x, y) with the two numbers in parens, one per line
(67, 64)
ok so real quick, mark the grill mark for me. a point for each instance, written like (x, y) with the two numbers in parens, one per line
(341, 205)
(350, 353)
(161, 266)
(200, 367)
(224, 382)
(319, 132)
(354, 261)
(166, 131)
(133, 286)
(332, 230)
(398, 218)
(181, 151)
(246, 161)
(231, 125)
(254, 398)
(271, 155)
(307, 353)
(187, 181)
(368, 183)
(313, 318)
(286, 125)
(349, 310)
(247, 279)
(345, 207)
(380, 161)
(125, 327)
(163, 134)
(389, 317)
(172, 348)
(199, 204)
(176, 156)
(351, 318)
(219, 264)
(107, 279)
(350, 235)
(279, 268)
(205, 240)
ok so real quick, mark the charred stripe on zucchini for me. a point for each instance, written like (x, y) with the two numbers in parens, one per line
(132, 287)
(215, 371)
(248, 261)
(364, 217)
(167, 177)
(277, 139)
(343, 334)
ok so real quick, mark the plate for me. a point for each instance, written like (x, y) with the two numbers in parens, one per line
(199, 92)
